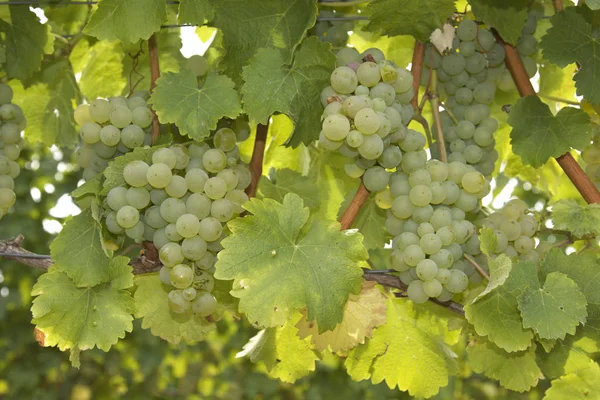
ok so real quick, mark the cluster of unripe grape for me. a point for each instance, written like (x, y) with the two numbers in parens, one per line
(366, 109)
(110, 128)
(181, 202)
(331, 31)
(12, 123)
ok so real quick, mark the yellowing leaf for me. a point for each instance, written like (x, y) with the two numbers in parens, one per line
(362, 313)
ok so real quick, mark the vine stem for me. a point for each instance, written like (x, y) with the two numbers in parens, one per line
(581, 181)
(435, 108)
(12, 250)
(558, 5)
(360, 197)
(258, 154)
(154, 74)
(477, 266)
(416, 70)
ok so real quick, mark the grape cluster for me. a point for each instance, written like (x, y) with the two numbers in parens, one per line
(514, 229)
(334, 32)
(181, 202)
(12, 123)
(427, 204)
(110, 128)
(471, 72)
(366, 109)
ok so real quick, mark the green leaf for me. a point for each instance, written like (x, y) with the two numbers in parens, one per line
(571, 39)
(287, 181)
(80, 317)
(580, 220)
(419, 18)
(78, 251)
(114, 172)
(369, 222)
(277, 24)
(569, 355)
(554, 310)
(286, 356)
(152, 305)
(274, 84)
(497, 316)
(580, 385)
(27, 40)
(408, 352)
(537, 135)
(516, 371)
(126, 20)
(488, 241)
(499, 272)
(194, 12)
(196, 112)
(281, 262)
(507, 17)
(101, 69)
(593, 4)
(93, 187)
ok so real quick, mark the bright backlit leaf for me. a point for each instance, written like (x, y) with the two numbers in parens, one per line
(580, 385)
(579, 219)
(507, 17)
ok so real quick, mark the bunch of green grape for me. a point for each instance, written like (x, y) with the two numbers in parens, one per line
(514, 229)
(110, 128)
(334, 32)
(12, 123)
(428, 203)
(367, 108)
(181, 202)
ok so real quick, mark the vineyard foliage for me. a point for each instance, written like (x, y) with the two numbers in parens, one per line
(354, 199)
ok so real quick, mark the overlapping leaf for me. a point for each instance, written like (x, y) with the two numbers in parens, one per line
(281, 263)
(507, 17)
(194, 12)
(196, 111)
(126, 20)
(578, 219)
(274, 84)
(369, 221)
(580, 385)
(101, 68)
(362, 313)
(287, 181)
(538, 135)
(408, 352)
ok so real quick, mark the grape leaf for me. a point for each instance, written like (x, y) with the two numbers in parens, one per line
(407, 352)
(126, 20)
(194, 12)
(554, 310)
(369, 221)
(362, 313)
(26, 41)
(419, 17)
(102, 69)
(276, 24)
(152, 305)
(507, 17)
(93, 187)
(281, 262)
(488, 241)
(538, 135)
(286, 356)
(196, 112)
(272, 84)
(572, 38)
(287, 181)
(570, 355)
(78, 251)
(593, 4)
(499, 272)
(583, 385)
(114, 172)
(497, 316)
(579, 219)
(516, 371)
(83, 317)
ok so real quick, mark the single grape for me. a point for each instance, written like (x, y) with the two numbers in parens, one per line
(177, 303)
(188, 225)
(127, 217)
(181, 276)
(210, 229)
(171, 209)
(171, 254)
(135, 172)
(204, 304)
(159, 175)
(416, 293)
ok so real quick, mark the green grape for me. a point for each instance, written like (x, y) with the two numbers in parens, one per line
(118, 101)
(177, 303)
(353, 170)
(136, 197)
(132, 136)
(214, 160)
(402, 207)
(120, 116)
(472, 154)
(112, 224)
(7, 182)
(157, 196)
(458, 282)
(419, 177)
(90, 132)
(413, 142)
(475, 63)
(196, 179)
(6, 93)
(210, 229)
(193, 248)
(136, 232)
(159, 175)
(164, 156)
(432, 288)
(458, 146)
(483, 137)
(198, 204)
(438, 171)
(182, 156)
(443, 258)
(383, 91)
(430, 243)
(344, 80)
(453, 64)
(413, 255)
(206, 262)
(441, 217)
(347, 55)
(524, 244)
(135, 172)
(404, 81)
(153, 218)
(222, 210)
(198, 65)
(172, 234)
(160, 238)
(100, 111)
(171, 209)
(416, 293)
(354, 104)
(413, 160)
(466, 31)
(511, 228)
(465, 130)
(177, 187)
(397, 261)
(376, 179)
(181, 276)
(368, 74)
(443, 275)
(116, 198)
(485, 40)
(225, 139)
(467, 49)
(390, 158)
(371, 148)
(502, 241)
(367, 121)
(354, 138)
(528, 225)
(527, 45)
(171, 254)
(495, 56)
(336, 127)
(473, 182)
(204, 304)
(9, 133)
(215, 188)
(438, 192)
(187, 225)
(141, 116)
(383, 199)
(420, 195)
(127, 217)
(425, 228)
(7, 198)
(464, 96)
(204, 281)
(135, 102)
(189, 293)
(422, 214)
